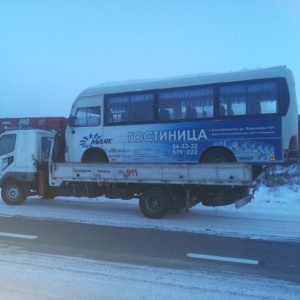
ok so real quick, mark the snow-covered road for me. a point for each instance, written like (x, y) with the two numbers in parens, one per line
(26, 276)
(23, 275)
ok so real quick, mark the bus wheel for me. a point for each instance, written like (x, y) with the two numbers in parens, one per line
(155, 203)
(218, 155)
(94, 157)
(13, 193)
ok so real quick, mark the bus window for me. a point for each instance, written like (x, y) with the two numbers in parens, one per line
(268, 106)
(185, 104)
(252, 98)
(87, 116)
(191, 113)
(130, 108)
(169, 106)
(164, 114)
(233, 100)
(222, 110)
(118, 108)
(142, 108)
(262, 98)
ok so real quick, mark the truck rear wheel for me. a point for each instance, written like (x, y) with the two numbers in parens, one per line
(49, 194)
(155, 203)
(13, 193)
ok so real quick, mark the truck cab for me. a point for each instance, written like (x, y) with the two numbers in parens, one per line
(21, 151)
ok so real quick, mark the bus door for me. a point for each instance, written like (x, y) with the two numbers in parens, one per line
(85, 127)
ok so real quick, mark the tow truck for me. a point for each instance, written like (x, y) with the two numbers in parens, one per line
(29, 166)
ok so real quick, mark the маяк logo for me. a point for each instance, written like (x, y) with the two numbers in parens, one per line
(92, 140)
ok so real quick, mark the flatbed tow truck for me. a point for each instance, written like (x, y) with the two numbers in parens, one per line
(30, 167)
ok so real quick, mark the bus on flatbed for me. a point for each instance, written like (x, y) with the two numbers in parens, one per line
(248, 116)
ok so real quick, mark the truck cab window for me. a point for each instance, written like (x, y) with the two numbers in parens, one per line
(7, 143)
(45, 147)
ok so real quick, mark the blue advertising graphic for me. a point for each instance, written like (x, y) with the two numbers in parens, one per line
(251, 140)
(93, 140)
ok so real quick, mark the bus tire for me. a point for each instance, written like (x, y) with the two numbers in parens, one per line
(94, 157)
(218, 155)
(13, 193)
(155, 203)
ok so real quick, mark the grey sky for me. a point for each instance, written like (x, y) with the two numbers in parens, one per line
(51, 50)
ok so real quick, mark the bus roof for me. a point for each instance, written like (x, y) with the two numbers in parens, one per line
(189, 80)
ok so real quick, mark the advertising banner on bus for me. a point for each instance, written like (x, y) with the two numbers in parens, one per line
(249, 140)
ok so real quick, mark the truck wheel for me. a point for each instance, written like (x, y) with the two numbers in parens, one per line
(155, 203)
(13, 193)
(49, 194)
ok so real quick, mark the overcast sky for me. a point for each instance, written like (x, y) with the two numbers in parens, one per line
(52, 50)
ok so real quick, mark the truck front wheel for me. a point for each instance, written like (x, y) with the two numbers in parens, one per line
(13, 193)
(155, 203)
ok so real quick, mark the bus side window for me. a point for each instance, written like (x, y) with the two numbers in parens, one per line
(222, 110)
(125, 116)
(230, 112)
(191, 113)
(263, 97)
(110, 117)
(257, 108)
(164, 114)
(233, 98)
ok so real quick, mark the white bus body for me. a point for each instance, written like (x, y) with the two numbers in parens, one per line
(248, 116)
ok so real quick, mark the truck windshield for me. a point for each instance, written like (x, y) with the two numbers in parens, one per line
(7, 143)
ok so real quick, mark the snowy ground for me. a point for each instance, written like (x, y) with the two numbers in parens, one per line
(273, 215)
